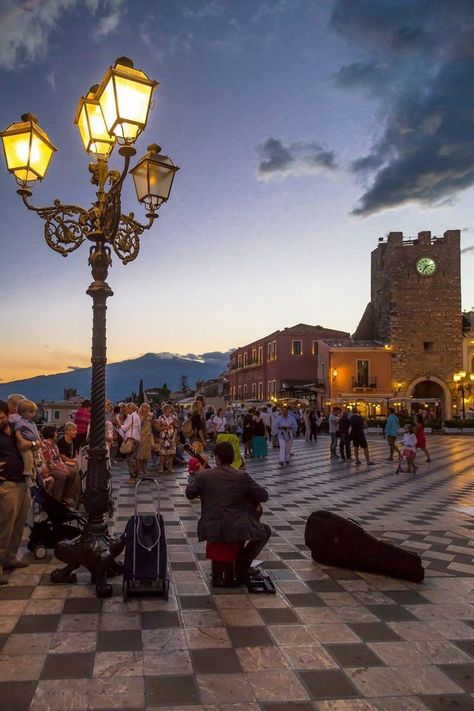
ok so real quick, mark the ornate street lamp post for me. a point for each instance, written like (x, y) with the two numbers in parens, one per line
(114, 112)
(464, 382)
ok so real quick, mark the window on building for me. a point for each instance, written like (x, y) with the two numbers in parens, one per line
(274, 350)
(274, 387)
(269, 389)
(296, 347)
(260, 354)
(57, 415)
(246, 359)
(254, 355)
(254, 391)
(428, 346)
(363, 373)
(245, 391)
(260, 391)
(269, 352)
(239, 360)
(315, 348)
(239, 392)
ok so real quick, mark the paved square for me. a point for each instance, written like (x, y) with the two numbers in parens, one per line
(329, 640)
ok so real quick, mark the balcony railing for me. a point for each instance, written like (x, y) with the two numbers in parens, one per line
(364, 383)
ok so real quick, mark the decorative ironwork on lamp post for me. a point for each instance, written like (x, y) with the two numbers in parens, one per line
(464, 381)
(113, 112)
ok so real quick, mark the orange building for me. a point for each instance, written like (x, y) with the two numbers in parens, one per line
(357, 374)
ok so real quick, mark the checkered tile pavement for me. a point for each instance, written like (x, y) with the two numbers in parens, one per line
(330, 639)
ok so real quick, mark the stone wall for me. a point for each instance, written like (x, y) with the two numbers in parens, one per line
(419, 316)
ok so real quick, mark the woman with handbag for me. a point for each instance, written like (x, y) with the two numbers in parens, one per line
(131, 433)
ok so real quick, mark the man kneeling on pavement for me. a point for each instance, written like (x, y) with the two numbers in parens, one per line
(230, 509)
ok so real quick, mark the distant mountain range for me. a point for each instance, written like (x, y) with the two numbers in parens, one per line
(123, 378)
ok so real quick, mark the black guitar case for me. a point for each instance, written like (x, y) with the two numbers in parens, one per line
(343, 543)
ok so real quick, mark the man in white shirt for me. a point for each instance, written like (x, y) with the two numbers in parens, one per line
(286, 426)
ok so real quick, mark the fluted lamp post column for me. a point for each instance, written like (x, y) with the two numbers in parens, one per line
(112, 112)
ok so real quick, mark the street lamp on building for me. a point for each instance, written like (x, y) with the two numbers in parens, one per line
(114, 112)
(464, 383)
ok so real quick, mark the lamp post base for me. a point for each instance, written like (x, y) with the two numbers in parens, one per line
(96, 551)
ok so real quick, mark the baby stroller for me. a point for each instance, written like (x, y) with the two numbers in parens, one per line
(52, 522)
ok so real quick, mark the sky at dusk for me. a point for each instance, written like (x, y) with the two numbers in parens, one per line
(304, 130)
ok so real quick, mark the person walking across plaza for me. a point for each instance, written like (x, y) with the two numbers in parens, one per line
(421, 436)
(391, 432)
(344, 439)
(334, 430)
(286, 426)
(275, 414)
(14, 497)
(409, 449)
(357, 435)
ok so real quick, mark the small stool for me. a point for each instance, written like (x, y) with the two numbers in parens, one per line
(223, 557)
(223, 575)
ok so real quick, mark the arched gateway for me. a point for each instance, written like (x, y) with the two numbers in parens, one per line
(431, 390)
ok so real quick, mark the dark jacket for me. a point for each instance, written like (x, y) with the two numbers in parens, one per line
(344, 424)
(229, 500)
(12, 459)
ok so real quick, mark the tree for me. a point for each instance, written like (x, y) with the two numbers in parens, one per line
(183, 384)
(141, 394)
(164, 391)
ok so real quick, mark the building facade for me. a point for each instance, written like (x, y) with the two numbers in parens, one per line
(58, 413)
(356, 374)
(282, 364)
(415, 310)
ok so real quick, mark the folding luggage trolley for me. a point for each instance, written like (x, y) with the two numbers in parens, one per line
(145, 568)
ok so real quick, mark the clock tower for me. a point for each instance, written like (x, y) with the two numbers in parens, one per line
(415, 309)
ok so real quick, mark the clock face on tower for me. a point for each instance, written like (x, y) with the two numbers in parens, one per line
(426, 266)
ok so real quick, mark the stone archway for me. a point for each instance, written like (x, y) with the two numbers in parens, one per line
(432, 387)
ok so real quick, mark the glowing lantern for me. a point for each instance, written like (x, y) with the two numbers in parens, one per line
(28, 150)
(91, 125)
(124, 96)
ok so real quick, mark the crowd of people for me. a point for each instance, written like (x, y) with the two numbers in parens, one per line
(161, 434)
(348, 429)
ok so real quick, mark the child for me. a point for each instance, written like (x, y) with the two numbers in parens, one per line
(25, 429)
(194, 465)
(409, 448)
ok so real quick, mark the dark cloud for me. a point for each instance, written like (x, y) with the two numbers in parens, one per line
(465, 250)
(418, 69)
(279, 160)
